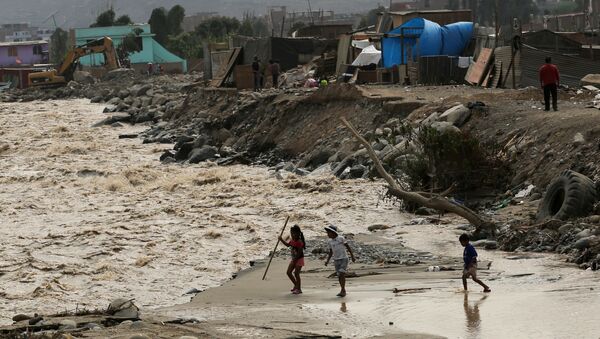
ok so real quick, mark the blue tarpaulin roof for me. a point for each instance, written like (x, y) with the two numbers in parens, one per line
(425, 38)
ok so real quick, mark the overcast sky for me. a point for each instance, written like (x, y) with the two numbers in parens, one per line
(80, 13)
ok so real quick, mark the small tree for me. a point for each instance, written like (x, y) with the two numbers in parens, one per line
(186, 45)
(123, 20)
(158, 24)
(175, 19)
(105, 19)
(58, 45)
(217, 28)
(130, 44)
(246, 27)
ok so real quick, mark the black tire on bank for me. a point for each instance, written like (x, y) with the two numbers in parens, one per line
(569, 195)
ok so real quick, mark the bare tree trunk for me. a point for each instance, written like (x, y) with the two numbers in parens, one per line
(434, 201)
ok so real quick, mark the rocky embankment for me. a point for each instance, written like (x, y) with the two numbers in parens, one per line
(298, 131)
(129, 97)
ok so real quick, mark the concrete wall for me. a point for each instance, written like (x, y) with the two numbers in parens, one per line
(24, 54)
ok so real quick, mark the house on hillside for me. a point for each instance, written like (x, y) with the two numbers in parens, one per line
(23, 53)
(151, 51)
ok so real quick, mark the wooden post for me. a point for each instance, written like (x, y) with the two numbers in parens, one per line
(274, 250)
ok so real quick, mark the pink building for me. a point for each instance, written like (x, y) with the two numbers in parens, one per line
(23, 53)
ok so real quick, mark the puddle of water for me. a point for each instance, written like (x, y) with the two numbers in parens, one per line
(533, 296)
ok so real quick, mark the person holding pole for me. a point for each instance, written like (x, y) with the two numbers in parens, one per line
(297, 245)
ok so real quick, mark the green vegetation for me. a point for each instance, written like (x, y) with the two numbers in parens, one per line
(107, 19)
(58, 45)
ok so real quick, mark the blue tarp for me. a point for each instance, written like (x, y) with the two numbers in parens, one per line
(425, 38)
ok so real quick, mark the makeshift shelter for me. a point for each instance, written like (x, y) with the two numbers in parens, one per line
(420, 37)
(290, 52)
(369, 55)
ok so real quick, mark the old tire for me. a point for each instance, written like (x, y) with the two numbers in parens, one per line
(570, 195)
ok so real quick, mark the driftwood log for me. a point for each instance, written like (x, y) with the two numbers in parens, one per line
(434, 201)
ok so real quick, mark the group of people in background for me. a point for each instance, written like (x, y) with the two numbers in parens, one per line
(259, 72)
(339, 250)
(154, 70)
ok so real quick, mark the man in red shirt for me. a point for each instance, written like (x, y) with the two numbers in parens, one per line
(550, 79)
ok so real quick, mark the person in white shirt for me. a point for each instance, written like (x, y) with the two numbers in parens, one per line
(337, 249)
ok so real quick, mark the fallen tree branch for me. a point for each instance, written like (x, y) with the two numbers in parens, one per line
(434, 201)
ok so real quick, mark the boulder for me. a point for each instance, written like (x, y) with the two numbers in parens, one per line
(322, 170)
(202, 154)
(445, 127)
(119, 73)
(456, 115)
(591, 79)
(184, 150)
(123, 308)
(114, 101)
(433, 117)
(140, 90)
(113, 118)
(83, 77)
(97, 99)
(159, 100)
(146, 101)
(67, 324)
(358, 171)
(578, 139)
(144, 117)
(401, 109)
(123, 93)
(20, 317)
(583, 243)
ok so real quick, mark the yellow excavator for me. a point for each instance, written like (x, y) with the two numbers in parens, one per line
(64, 74)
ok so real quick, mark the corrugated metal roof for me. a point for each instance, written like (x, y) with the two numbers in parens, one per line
(23, 43)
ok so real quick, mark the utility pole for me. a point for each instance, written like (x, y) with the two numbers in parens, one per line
(497, 22)
(312, 20)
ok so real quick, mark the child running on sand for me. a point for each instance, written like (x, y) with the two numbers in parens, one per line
(470, 259)
(337, 248)
(298, 245)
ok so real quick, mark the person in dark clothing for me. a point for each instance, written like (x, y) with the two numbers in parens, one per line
(256, 73)
(470, 260)
(550, 80)
(275, 69)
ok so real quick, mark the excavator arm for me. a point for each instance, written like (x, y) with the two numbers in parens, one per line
(67, 67)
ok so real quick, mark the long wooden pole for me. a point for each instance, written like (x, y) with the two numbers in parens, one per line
(277, 244)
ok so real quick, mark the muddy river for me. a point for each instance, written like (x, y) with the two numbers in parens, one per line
(86, 217)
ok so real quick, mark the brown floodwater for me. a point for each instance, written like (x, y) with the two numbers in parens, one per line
(86, 217)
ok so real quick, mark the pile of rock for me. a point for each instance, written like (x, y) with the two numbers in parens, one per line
(134, 97)
(391, 142)
(579, 240)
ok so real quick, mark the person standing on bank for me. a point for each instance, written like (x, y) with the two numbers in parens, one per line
(274, 68)
(256, 73)
(337, 249)
(550, 80)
